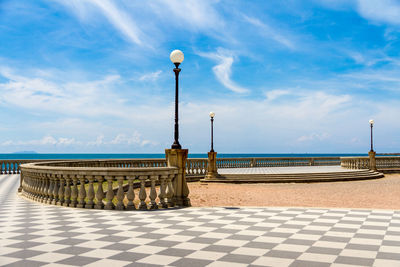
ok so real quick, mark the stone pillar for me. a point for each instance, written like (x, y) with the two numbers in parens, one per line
(177, 158)
(372, 160)
(212, 171)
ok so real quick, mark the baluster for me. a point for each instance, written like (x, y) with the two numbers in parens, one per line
(170, 191)
(74, 192)
(41, 188)
(120, 194)
(82, 192)
(36, 188)
(61, 190)
(142, 192)
(162, 193)
(153, 192)
(110, 194)
(67, 194)
(51, 189)
(99, 193)
(130, 195)
(55, 190)
(90, 195)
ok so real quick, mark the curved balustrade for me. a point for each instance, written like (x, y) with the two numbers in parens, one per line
(62, 183)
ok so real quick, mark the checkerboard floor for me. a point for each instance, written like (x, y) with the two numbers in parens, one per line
(33, 234)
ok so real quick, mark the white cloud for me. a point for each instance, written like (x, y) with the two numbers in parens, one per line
(200, 15)
(274, 94)
(313, 137)
(384, 11)
(116, 15)
(150, 76)
(45, 141)
(223, 70)
(271, 33)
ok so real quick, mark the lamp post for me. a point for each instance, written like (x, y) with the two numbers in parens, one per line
(372, 153)
(371, 123)
(176, 57)
(212, 114)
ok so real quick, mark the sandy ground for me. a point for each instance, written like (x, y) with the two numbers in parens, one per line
(382, 193)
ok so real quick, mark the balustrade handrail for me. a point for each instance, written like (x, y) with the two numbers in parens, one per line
(74, 186)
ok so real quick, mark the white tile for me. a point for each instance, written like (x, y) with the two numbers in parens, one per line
(147, 249)
(291, 247)
(339, 234)
(100, 253)
(191, 246)
(392, 237)
(250, 233)
(225, 264)
(236, 226)
(215, 235)
(137, 241)
(231, 242)
(48, 239)
(49, 247)
(202, 229)
(178, 238)
(389, 249)
(386, 263)
(358, 253)
(8, 260)
(305, 237)
(250, 251)
(285, 230)
(159, 259)
(96, 244)
(8, 250)
(206, 255)
(108, 263)
(366, 241)
(272, 262)
(317, 257)
(162, 231)
(328, 244)
(50, 257)
(91, 236)
(269, 239)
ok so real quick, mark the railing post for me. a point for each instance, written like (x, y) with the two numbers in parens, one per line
(212, 171)
(372, 160)
(177, 158)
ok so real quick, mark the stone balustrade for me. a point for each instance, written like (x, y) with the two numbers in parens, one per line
(276, 162)
(65, 184)
(196, 167)
(383, 163)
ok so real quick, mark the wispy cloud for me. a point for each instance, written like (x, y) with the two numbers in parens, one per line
(152, 76)
(223, 70)
(115, 14)
(270, 32)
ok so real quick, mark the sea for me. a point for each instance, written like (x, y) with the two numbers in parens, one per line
(156, 156)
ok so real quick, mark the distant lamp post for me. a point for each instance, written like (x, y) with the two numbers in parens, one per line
(212, 114)
(372, 153)
(176, 57)
(371, 123)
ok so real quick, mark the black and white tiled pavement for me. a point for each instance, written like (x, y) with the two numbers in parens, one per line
(33, 234)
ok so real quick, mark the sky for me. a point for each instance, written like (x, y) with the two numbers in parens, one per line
(282, 76)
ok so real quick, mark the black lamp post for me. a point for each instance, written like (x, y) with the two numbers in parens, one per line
(371, 123)
(212, 114)
(176, 57)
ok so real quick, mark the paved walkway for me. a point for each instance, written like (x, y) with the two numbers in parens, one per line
(284, 170)
(33, 234)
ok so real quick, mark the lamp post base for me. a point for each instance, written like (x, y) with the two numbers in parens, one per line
(212, 171)
(177, 158)
(372, 160)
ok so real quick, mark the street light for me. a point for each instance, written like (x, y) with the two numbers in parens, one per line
(176, 57)
(371, 123)
(212, 114)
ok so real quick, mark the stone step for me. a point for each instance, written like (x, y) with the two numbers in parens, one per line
(299, 177)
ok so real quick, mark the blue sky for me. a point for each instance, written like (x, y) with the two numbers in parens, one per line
(281, 76)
